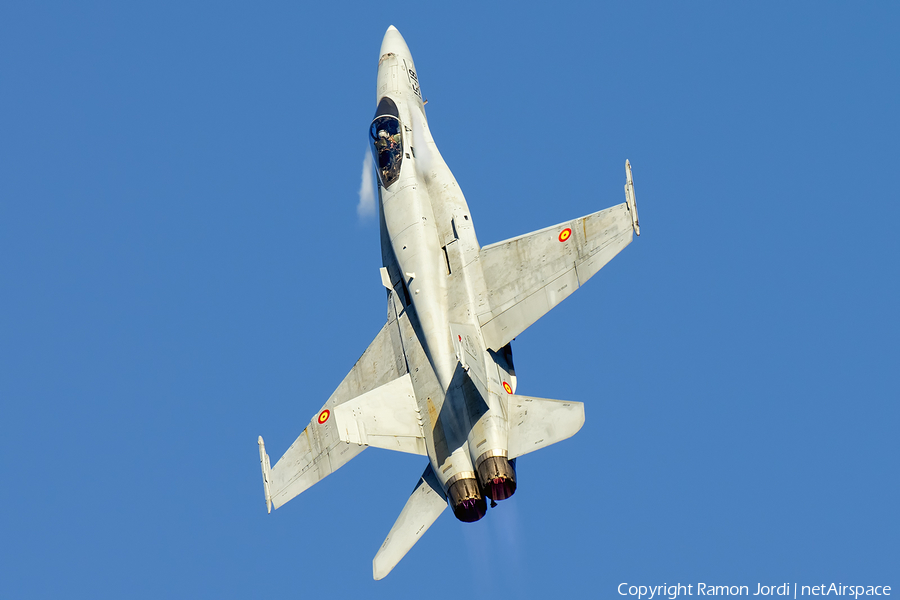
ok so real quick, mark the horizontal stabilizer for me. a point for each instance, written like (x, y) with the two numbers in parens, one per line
(424, 506)
(535, 423)
(387, 417)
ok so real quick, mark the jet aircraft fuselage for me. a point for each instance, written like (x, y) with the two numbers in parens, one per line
(429, 248)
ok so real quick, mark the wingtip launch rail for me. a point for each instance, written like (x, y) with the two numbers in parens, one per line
(266, 472)
(630, 200)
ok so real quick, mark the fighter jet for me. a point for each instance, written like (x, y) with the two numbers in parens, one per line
(438, 379)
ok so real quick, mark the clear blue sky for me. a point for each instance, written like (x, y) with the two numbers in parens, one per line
(182, 269)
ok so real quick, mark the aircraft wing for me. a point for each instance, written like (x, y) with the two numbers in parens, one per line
(528, 275)
(379, 388)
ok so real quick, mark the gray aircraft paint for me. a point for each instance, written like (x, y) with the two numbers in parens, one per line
(438, 379)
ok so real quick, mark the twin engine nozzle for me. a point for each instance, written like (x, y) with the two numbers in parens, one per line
(496, 481)
(497, 477)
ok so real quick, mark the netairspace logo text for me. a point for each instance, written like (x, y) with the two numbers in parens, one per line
(784, 589)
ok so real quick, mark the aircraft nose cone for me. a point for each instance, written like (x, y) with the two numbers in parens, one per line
(393, 43)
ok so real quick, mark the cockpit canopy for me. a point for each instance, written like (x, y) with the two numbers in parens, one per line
(387, 142)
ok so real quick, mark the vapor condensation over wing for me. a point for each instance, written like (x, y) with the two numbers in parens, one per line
(366, 206)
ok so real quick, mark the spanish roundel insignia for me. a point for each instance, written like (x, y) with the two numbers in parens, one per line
(507, 387)
(323, 416)
(564, 234)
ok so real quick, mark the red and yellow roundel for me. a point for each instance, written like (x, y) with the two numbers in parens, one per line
(507, 387)
(564, 234)
(323, 416)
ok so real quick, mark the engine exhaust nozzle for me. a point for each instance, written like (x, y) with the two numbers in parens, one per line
(466, 500)
(497, 477)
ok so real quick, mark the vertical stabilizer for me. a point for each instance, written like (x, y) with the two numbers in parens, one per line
(424, 506)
